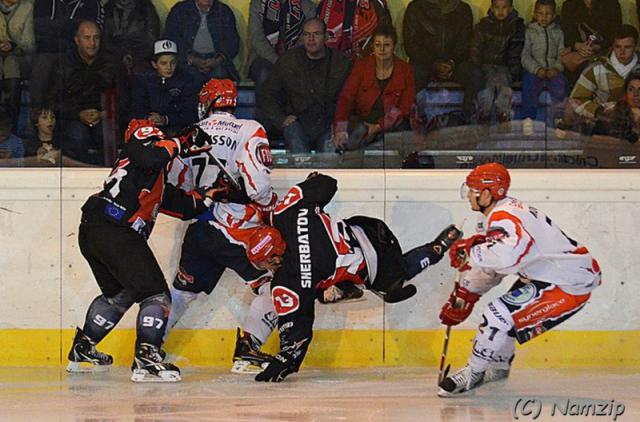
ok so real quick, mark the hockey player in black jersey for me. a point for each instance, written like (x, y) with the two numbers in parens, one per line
(116, 223)
(321, 252)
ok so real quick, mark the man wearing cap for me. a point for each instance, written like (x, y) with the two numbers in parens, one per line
(167, 95)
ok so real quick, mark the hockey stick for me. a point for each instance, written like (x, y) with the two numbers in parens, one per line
(223, 169)
(447, 335)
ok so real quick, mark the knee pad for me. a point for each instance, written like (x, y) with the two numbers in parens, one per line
(494, 344)
(122, 301)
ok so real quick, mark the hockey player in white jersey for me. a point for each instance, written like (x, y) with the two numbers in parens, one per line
(556, 276)
(217, 240)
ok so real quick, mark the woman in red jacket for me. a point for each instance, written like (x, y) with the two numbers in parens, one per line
(377, 95)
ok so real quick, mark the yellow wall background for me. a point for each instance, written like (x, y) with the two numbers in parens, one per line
(397, 7)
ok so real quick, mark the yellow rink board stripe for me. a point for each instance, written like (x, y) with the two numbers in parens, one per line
(340, 348)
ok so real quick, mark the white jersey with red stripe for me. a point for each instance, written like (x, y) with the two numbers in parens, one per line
(524, 241)
(242, 147)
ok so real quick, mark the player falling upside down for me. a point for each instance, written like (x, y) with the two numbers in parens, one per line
(556, 276)
(217, 240)
(116, 223)
(320, 252)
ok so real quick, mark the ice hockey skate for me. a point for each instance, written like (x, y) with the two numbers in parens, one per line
(148, 366)
(495, 374)
(83, 356)
(461, 382)
(248, 358)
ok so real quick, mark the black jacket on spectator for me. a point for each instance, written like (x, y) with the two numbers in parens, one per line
(435, 30)
(604, 19)
(131, 27)
(499, 43)
(176, 98)
(55, 22)
(78, 86)
(183, 22)
(307, 89)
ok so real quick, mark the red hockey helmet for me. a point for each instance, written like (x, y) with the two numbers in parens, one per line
(217, 93)
(135, 124)
(265, 245)
(492, 176)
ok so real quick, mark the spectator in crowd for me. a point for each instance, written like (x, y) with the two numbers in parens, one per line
(496, 48)
(55, 23)
(130, 29)
(11, 147)
(543, 43)
(301, 92)
(351, 23)
(377, 96)
(275, 26)
(83, 81)
(437, 35)
(601, 84)
(16, 44)
(168, 95)
(205, 31)
(588, 27)
(623, 120)
(42, 150)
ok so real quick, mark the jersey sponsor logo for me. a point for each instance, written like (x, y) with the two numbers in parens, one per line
(263, 153)
(285, 300)
(304, 249)
(290, 199)
(521, 295)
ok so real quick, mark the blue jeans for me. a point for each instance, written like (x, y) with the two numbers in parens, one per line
(299, 142)
(532, 87)
(79, 139)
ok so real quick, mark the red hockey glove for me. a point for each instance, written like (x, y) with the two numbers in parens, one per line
(458, 307)
(459, 252)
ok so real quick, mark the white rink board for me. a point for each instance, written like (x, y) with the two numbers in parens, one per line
(47, 284)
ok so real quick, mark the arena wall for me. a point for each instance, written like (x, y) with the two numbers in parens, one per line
(47, 285)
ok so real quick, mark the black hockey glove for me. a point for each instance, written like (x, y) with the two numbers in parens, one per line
(237, 196)
(193, 141)
(277, 370)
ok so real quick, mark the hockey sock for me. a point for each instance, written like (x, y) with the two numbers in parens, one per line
(262, 318)
(104, 313)
(180, 301)
(152, 319)
(493, 345)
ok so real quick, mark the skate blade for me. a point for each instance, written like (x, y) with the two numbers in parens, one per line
(246, 367)
(85, 368)
(448, 395)
(142, 375)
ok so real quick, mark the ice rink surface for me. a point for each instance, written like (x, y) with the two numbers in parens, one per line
(378, 394)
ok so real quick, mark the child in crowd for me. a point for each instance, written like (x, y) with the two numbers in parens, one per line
(496, 48)
(543, 43)
(43, 146)
(11, 147)
(168, 95)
